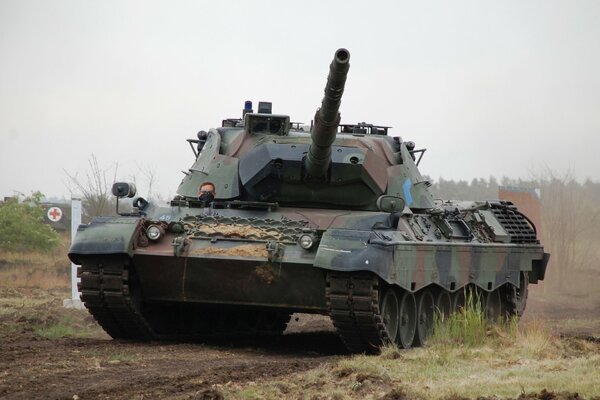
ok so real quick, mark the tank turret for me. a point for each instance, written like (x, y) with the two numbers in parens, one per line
(327, 118)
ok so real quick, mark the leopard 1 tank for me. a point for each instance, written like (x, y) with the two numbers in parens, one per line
(334, 219)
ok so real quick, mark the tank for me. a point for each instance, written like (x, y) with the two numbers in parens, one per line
(334, 219)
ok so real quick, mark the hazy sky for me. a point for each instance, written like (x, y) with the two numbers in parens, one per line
(490, 88)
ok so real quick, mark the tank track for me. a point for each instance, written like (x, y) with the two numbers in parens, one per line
(353, 302)
(105, 289)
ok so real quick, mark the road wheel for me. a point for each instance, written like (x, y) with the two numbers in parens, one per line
(389, 313)
(493, 305)
(444, 304)
(407, 320)
(425, 314)
(459, 299)
(479, 299)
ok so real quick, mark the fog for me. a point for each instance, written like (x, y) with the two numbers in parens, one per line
(502, 88)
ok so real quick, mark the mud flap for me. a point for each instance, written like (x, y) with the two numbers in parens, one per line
(538, 270)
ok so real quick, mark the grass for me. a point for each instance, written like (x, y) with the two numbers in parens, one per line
(36, 277)
(109, 356)
(41, 313)
(65, 326)
(36, 269)
(121, 357)
(469, 326)
(466, 358)
(56, 331)
(489, 369)
(32, 286)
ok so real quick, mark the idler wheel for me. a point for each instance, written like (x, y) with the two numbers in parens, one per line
(407, 320)
(425, 314)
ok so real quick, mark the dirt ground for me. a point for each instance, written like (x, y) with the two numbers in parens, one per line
(35, 364)
(95, 366)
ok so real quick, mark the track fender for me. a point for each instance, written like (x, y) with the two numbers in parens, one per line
(414, 265)
(105, 236)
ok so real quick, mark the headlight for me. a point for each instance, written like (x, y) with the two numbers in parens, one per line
(177, 227)
(306, 241)
(154, 232)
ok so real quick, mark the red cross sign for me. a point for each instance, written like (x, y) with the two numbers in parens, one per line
(54, 214)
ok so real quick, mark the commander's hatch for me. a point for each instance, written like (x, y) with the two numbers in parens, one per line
(267, 124)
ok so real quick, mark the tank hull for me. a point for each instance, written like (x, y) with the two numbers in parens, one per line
(235, 281)
(216, 274)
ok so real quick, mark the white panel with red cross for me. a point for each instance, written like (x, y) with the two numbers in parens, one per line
(54, 214)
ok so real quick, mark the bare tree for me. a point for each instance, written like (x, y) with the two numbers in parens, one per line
(93, 187)
(148, 174)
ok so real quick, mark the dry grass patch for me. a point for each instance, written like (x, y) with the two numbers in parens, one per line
(31, 269)
(468, 360)
(40, 312)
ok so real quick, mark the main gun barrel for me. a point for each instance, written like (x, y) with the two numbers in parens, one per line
(327, 118)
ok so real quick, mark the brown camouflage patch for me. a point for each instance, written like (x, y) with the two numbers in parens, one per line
(265, 273)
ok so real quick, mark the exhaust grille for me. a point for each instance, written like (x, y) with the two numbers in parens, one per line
(514, 222)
